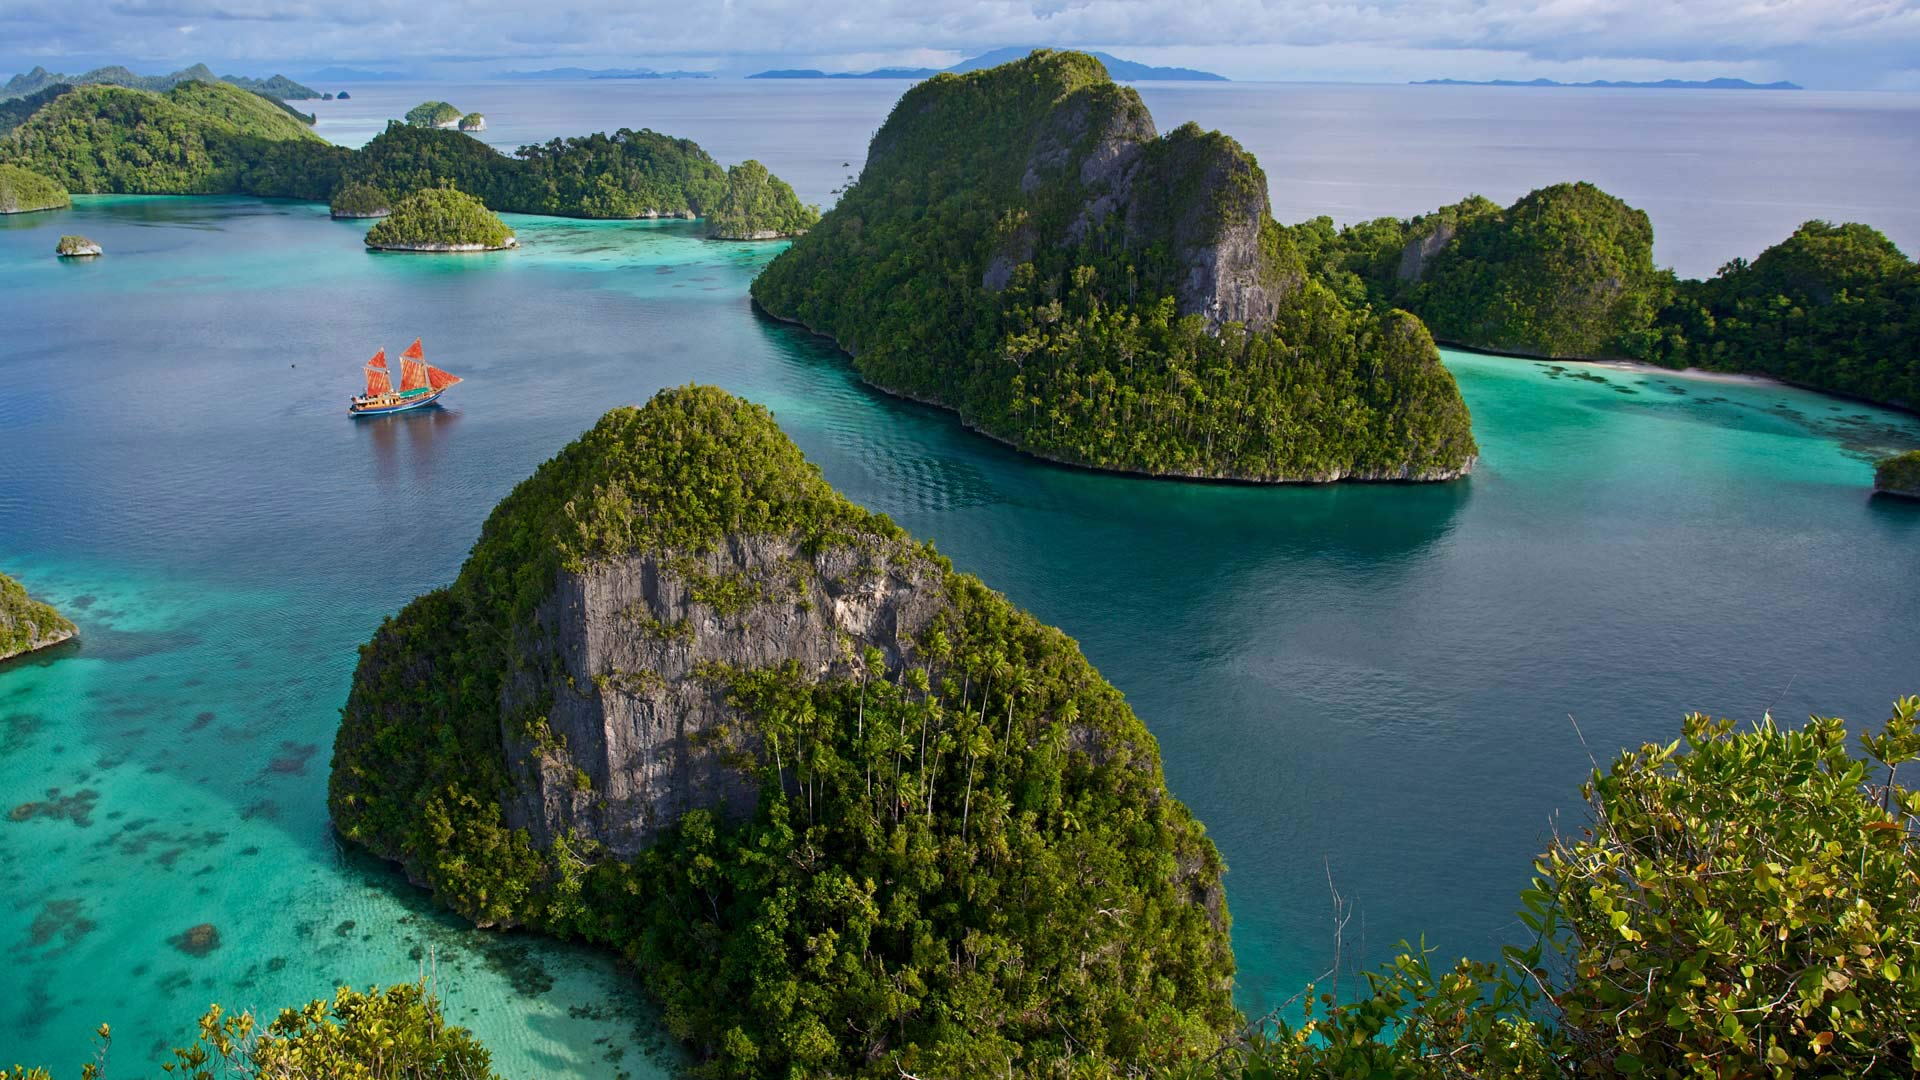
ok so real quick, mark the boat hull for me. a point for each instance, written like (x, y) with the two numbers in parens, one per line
(420, 401)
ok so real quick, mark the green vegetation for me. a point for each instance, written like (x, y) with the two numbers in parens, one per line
(197, 138)
(758, 206)
(440, 219)
(628, 174)
(22, 191)
(963, 861)
(203, 139)
(355, 199)
(1741, 904)
(14, 111)
(473, 121)
(1020, 248)
(1833, 307)
(26, 623)
(433, 114)
(1567, 271)
(72, 244)
(1899, 474)
(396, 1034)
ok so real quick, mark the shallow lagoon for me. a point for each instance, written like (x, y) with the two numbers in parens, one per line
(1372, 681)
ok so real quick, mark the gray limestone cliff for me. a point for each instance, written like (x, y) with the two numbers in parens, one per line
(628, 642)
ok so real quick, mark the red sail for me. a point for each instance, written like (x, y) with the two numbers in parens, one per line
(440, 380)
(377, 382)
(413, 351)
(413, 374)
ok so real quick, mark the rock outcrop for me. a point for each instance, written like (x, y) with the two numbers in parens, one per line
(27, 624)
(77, 247)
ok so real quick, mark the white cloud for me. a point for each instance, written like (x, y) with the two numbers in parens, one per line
(1866, 41)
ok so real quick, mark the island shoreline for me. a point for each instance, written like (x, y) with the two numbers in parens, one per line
(1450, 476)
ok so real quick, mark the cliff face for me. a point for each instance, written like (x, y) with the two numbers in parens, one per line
(654, 739)
(27, 624)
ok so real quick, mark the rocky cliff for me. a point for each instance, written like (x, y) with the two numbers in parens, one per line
(676, 653)
(27, 624)
(1023, 247)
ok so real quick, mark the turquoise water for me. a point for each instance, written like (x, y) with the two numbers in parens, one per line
(1369, 681)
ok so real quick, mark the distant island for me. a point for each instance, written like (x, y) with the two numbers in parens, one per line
(557, 74)
(33, 82)
(1606, 84)
(216, 139)
(1120, 70)
(1898, 475)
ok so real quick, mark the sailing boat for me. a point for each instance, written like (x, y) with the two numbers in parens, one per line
(420, 384)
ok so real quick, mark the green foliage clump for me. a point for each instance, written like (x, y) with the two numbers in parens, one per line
(1833, 307)
(1020, 248)
(399, 1033)
(1743, 903)
(1899, 474)
(26, 623)
(356, 199)
(195, 139)
(628, 174)
(73, 244)
(758, 206)
(964, 862)
(473, 121)
(14, 111)
(1567, 271)
(22, 191)
(440, 217)
(434, 114)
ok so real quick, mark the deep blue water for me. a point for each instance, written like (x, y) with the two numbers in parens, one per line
(1372, 681)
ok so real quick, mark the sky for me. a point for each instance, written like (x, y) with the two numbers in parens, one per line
(1832, 44)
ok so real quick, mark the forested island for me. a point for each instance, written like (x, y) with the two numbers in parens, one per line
(40, 79)
(210, 138)
(433, 114)
(1568, 272)
(1021, 247)
(440, 219)
(23, 192)
(847, 810)
(27, 624)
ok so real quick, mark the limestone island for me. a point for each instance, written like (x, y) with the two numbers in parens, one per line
(1898, 475)
(442, 220)
(473, 121)
(758, 206)
(27, 624)
(76, 247)
(23, 192)
(846, 809)
(1023, 248)
(434, 114)
(354, 199)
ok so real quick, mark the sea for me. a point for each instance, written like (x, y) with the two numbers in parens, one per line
(1386, 693)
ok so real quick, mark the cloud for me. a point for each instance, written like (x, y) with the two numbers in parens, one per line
(1866, 42)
